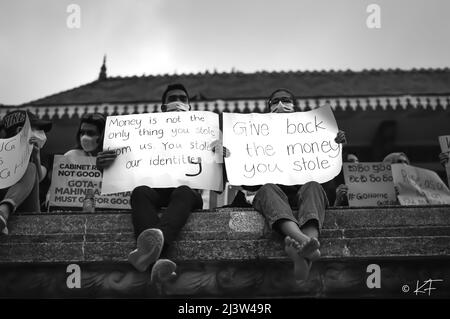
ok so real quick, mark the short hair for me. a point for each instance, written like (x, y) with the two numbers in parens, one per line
(171, 87)
(280, 90)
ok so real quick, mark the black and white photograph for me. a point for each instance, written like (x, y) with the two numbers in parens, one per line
(224, 156)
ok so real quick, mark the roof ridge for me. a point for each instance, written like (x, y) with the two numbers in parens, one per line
(314, 71)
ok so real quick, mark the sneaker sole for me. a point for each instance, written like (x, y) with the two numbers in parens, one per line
(149, 246)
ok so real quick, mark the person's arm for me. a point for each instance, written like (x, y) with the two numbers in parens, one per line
(223, 152)
(443, 158)
(36, 159)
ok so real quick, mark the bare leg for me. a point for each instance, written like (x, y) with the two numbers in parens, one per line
(5, 210)
(301, 265)
(289, 228)
(307, 244)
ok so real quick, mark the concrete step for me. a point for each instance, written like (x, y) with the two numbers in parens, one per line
(227, 235)
(223, 250)
(226, 220)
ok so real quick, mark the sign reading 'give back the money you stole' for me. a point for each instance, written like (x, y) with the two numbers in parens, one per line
(286, 148)
(162, 150)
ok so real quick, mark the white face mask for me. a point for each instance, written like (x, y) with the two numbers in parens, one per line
(40, 136)
(177, 106)
(282, 108)
(89, 143)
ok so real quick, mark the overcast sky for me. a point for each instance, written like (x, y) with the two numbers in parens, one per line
(40, 55)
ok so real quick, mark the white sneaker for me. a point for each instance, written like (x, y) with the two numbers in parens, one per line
(163, 270)
(149, 246)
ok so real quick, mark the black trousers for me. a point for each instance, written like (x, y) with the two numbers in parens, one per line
(146, 203)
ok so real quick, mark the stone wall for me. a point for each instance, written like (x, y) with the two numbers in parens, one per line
(229, 253)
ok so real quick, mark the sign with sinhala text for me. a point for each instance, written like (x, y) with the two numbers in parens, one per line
(15, 154)
(162, 150)
(419, 186)
(73, 176)
(283, 148)
(369, 184)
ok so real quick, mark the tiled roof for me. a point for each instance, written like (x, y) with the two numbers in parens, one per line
(258, 85)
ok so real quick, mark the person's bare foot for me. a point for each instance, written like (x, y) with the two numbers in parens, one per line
(301, 265)
(310, 250)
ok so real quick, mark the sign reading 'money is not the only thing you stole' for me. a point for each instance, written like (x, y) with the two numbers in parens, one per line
(163, 150)
(283, 148)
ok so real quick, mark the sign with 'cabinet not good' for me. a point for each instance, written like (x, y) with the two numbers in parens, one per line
(419, 186)
(15, 155)
(369, 184)
(162, 150)
(283, 148)
(73, 176)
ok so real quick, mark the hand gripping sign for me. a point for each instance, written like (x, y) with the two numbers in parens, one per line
(283, 148)
(162, 150)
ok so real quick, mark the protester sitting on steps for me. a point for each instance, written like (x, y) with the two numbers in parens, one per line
(155, 234)
(300, 229)
(443, 158)
(342, 189)
(23, 196)
(89, 137)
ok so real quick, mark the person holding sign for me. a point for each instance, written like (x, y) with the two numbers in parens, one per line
(342, 189)
(24, 195)
(443, 158)
(89, 135)
(300, 229)
(154, 234)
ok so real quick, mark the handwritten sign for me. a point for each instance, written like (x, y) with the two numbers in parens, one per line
(162, 150)
(444, 141)
(73, 176)
(369, 184)
(283, 148)
(419, 186)
(15, 154)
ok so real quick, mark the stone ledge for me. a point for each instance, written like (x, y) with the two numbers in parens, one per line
(227, 253)
(227, 235)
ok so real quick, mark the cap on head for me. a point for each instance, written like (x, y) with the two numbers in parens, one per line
(15, 119)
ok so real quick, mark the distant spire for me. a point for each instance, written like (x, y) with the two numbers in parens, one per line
(102, 75)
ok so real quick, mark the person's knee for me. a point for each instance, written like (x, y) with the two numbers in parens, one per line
(139, 192)
(268, 188)
(183, 192)
(312, 187)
